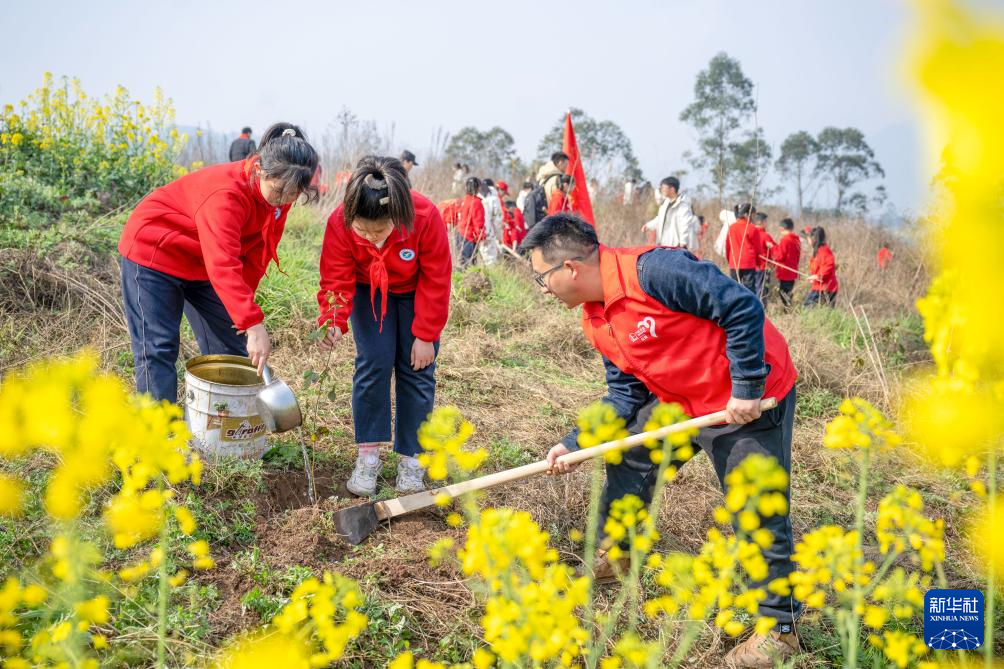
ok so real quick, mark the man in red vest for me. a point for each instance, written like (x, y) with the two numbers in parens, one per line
(674, 329)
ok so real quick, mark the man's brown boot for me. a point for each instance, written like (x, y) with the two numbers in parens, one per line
(761, 650)
(606, 570)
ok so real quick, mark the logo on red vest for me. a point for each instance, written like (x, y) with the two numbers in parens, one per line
(644, 331)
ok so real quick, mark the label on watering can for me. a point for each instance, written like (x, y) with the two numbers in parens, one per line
(242, 428)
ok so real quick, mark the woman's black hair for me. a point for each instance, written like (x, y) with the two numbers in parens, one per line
(286, 157)
(379, 189)
(818, 238)
(472, 186)
(745, 210)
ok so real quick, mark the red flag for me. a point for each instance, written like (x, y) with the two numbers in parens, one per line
(580, 194)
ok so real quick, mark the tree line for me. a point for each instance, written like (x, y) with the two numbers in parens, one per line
(732, 152)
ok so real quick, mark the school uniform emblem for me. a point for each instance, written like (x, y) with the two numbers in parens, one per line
(407, 255)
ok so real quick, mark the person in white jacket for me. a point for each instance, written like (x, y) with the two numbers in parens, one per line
(489, 248)
(727, 218)
(676, 224)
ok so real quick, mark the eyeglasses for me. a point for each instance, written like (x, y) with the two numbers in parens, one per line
(539, 279)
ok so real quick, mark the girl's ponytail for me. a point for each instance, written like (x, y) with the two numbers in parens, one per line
(285, 156)
(379, 189)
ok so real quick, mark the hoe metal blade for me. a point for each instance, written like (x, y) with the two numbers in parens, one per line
(356, 523)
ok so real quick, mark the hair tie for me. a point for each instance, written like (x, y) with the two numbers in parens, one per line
(374, 182)
(384, 200)
(289, 132)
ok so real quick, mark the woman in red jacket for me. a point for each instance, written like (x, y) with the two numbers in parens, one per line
(200, 246)
(823, 270)
(386, 267)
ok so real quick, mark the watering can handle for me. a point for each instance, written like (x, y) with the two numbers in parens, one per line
(266, 375)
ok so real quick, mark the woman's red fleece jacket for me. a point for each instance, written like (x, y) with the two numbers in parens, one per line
(418, 261)
(211, 225)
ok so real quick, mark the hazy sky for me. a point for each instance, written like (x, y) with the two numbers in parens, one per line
(423, 66)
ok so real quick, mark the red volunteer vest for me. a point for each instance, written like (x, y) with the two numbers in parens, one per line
(678, 356)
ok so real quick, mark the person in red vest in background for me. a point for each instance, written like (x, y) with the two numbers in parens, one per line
(742, 246)
(243, 146)
(343, 175)
(200, 246)
(322, 188)
(450, 211)
(786, 254)
(559, 201)
(672, 328)
(884, 256)
(764, 242)
(472, 221)
(513, 234)
(823, 271)
(386, 268)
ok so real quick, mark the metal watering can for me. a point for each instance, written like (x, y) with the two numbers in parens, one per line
(277, 404)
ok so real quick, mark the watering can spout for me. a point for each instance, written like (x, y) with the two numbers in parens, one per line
(277, 404)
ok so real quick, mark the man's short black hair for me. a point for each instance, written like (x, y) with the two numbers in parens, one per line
(558, 156)
(510, 204)
(672, 182)
(245, 130)
(560, 237)
(761, 217)
(787, 224)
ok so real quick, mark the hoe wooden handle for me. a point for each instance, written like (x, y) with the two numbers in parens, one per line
(399, 506)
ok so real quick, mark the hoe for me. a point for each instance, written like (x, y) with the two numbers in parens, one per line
(356, 523)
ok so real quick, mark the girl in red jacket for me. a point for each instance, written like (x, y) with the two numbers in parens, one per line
(786, 254)
(200, 246)
(472, 221)
(559, 201)
(743, 246)
(823, 270)
(386, 267)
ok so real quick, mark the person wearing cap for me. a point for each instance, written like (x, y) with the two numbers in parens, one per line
(502, 188)
(408, 160)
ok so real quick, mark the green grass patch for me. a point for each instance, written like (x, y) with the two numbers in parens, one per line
(290, 291)
(815, 402)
